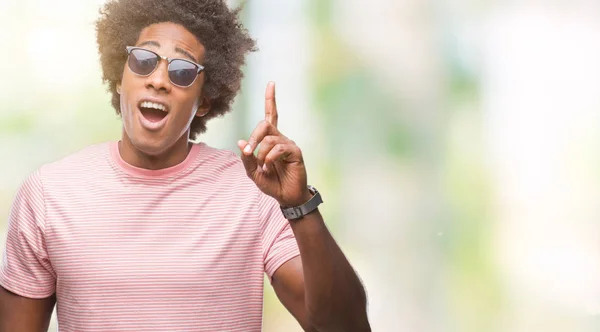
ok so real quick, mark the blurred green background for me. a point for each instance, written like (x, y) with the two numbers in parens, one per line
(456, 143)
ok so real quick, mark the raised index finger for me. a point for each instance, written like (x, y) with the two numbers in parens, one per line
(270, 104)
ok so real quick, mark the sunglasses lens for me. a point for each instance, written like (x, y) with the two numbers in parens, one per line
(142, 62)
(182, 73)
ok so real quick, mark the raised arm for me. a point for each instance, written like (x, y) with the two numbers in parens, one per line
(320, 288)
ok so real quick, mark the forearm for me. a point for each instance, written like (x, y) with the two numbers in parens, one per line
(334, 296)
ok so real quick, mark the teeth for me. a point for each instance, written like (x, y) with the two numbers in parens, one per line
(147, 104)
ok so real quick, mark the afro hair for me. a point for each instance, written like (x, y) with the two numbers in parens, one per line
(215, 25)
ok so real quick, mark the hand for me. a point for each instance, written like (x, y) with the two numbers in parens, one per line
(278, 168)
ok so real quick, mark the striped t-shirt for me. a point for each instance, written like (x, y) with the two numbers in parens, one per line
(129, 249)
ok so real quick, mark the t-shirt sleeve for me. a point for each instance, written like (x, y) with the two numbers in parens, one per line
(278, 242)
(26, 268)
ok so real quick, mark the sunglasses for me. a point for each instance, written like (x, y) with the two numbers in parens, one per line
(143, 62)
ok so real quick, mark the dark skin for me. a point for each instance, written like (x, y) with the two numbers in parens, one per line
(20, 314)
(319, 287)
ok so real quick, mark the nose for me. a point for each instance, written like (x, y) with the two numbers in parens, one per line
(159, 79)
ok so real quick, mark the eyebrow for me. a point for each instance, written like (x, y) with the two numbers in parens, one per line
(177, 49)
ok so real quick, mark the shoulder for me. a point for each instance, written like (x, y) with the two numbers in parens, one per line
(216, 157)
(224, 167)
(86, 159)
(91, 161)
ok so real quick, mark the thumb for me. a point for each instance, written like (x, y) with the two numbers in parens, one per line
(249, 160)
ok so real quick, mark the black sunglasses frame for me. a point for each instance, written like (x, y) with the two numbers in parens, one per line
(199, 67)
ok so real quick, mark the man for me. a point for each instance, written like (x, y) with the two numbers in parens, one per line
(156, 233)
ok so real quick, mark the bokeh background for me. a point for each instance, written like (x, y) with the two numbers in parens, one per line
(456, 143)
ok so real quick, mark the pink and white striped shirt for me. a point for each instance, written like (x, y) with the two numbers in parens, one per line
(128, 249)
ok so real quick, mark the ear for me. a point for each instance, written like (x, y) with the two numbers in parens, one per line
(204, 108)
(119, 88)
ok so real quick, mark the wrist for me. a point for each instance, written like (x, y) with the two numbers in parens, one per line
(303, 198)
(298, 208)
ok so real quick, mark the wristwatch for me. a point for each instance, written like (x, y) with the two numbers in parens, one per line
(298, 212)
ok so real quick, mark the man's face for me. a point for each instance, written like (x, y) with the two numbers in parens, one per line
(154, 131)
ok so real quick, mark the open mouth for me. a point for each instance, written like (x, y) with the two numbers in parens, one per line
(153, 112)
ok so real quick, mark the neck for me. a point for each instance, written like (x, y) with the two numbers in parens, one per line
(174, 155)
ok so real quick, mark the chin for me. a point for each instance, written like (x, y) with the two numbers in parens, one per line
(149, 144)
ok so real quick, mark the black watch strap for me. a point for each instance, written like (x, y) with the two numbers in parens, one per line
(298, 212)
